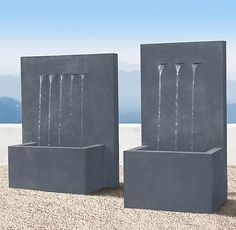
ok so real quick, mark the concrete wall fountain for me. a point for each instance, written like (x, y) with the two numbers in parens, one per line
(182, 163)
(70, 124)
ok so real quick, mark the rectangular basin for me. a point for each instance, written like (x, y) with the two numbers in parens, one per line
(78, 170)
(174, 180)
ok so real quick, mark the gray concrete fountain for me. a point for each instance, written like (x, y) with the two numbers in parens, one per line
(70, 124)
(182, 163)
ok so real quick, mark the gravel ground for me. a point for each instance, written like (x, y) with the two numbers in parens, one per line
(24, 209)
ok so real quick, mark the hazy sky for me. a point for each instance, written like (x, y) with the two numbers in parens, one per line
(46, 27)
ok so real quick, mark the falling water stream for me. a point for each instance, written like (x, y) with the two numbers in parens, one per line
(71, 94)
(40, 104)
(61, 77)
(82, 110)
(178, 67)
(60, 109)
(194, 67)
(71, 103)
(49, 108)
(160, 69)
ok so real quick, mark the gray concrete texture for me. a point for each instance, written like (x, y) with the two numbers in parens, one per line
(175, 181)
(78, 170)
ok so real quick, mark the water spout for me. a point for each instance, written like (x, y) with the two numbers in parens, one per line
(194, 67)
(41, 77)
(71, 103)
(51, 77)
(60, 109)
(160, 69)
(71, 95)
(177, 67)
(83, 76)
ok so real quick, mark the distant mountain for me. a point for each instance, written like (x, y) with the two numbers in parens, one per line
(129, 97)
(10, 87)
(10, 110)
(231, 91)
(128, 67)
(129, 93)
(231, 113)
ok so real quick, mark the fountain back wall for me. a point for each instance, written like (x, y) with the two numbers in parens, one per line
(183, 96)
(72, 101)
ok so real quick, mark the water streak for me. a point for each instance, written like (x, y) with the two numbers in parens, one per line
(177, 67)
(41, 77)
(71, 95)
(60, 109)
(160, 69)
(71, 104)
(194, 67)
(51, 76)
(82, 109)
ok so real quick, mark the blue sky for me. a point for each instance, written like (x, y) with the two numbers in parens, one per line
(43, 27)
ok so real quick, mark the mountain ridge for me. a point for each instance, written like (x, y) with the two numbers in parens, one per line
(129, 94)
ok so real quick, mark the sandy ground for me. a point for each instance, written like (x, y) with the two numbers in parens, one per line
(24, 209)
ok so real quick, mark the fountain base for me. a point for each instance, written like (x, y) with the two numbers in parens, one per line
(175, 181)
(78, 170)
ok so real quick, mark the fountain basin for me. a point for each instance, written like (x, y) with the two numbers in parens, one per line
(78, 170)
(174, 180)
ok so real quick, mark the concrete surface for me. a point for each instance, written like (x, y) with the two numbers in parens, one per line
(10, 134)
(175, 181)
(129, 134)
(77, 170)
